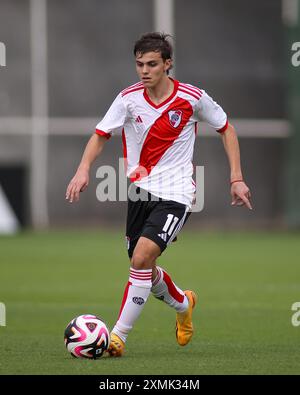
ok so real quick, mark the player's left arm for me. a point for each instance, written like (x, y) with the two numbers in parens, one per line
(240, 192)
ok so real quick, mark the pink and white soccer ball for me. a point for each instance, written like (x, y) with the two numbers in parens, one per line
(87, 336)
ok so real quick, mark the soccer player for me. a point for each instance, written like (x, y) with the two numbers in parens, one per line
(158, 116)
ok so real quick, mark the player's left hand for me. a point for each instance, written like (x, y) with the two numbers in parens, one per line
(240, 194)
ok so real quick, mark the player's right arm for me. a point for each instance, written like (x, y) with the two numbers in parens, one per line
(113, 120)
(80, 181)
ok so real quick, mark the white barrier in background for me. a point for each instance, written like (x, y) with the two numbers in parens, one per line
(9, 223)
(64, 126)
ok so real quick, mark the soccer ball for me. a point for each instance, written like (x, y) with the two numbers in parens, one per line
(87, 336)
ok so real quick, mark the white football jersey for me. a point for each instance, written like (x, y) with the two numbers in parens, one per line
(158, 140)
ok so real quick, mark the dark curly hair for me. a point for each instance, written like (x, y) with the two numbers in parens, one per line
(154, 42)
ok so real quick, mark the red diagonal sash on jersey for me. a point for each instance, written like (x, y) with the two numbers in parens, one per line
(162, 134)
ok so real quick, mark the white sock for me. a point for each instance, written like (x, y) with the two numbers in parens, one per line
(135, 296)
(165, 289)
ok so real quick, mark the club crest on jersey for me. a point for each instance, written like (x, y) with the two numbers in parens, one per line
(175, 118)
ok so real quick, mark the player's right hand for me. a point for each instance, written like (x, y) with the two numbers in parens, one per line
(78, 184)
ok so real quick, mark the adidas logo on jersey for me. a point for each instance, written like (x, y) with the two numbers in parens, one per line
(163, 236)
(139, 120)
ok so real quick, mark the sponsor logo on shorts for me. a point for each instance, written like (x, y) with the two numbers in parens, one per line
(163, 236)
(138, 300)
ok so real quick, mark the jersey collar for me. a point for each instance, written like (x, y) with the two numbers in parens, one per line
(176, 83)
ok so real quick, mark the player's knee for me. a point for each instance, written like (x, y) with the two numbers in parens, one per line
(142, 261)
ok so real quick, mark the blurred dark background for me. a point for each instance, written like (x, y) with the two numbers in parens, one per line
(67, 60)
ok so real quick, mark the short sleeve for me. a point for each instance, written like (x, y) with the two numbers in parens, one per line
(113, 120)
(209, 111)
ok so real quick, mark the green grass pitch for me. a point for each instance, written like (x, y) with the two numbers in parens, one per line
(246, 285)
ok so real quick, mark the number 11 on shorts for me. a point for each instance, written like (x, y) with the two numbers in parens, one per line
(170, 224)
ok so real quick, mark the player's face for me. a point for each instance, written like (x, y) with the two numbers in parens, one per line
(151, 68)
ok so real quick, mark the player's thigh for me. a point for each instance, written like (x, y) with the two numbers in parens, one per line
(145, 254)
(136, 218)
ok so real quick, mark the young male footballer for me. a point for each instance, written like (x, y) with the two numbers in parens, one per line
(158, 118)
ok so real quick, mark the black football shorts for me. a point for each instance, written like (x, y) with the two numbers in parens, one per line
(154, 218)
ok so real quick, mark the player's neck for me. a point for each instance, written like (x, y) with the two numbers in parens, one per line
(160, 92)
